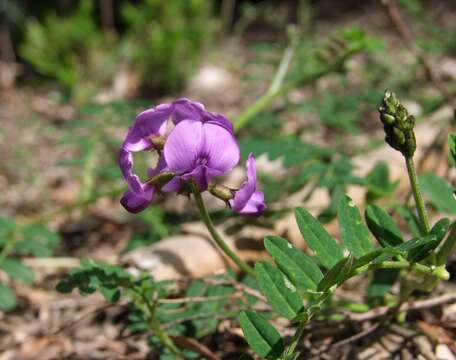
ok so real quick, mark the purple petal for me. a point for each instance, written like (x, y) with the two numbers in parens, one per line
(126, 166)
(219, 147)
(182, 148)
(184, 109)
(247, 200)
(218, 119)
(255, 206)
(149, 123)
(134, 202)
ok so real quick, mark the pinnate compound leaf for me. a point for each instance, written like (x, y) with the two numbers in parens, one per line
(353, 232)
(382, 226)
(15, 269)
(279, 291)
(7, 298)
(326, 249)
(262, 337)
(337, 273)
(297, 266)
(439, 192)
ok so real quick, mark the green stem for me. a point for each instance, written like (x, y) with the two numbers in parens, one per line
(419, 202)
(215, 235)
(155, 326)
(277, 90)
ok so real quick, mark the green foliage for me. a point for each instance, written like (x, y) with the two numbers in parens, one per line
(298, 267)
(261, 336)
(71, 50)
(162, 44)
(325, 248)
(353, 232)
(382, 226)
(278, 289)
(440, 193)
(18, 239)
(164, 40)
(7, 298)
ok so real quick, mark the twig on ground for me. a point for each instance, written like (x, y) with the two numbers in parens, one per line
(414, 305)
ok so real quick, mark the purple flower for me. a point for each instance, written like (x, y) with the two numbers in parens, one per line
(201, 150)
(247, 200)
(153, 123)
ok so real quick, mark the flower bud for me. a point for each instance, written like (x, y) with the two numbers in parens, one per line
(398, 125)
(222, 192)
(161, 179)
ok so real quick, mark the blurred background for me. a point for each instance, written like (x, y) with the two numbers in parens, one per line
(73, 74)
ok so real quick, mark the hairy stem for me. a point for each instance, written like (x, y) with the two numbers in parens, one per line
(215, 235)
(419, 202)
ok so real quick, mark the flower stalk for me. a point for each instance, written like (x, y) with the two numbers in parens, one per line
(398, 125)
(419, 202)
(215, 235)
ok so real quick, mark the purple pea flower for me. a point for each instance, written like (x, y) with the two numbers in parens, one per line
(200, 151)
(200, 147)
(149, 125)
(247, 200)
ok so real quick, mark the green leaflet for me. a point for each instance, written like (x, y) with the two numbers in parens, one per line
(336, 273)
(298, 267)
(7, 298)
(16, 269)
(382, 226)
(353, 232)
(326, 249)
(260, 335)
(440, 192)
(279, 291)
(440, 229)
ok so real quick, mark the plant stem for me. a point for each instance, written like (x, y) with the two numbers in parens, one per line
(419, 202)
(278, 88)
(215, 235)
(155, 326)
(438, 272)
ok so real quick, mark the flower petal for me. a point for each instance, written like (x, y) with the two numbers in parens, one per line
(134, 202)
(126, 166)
(184, 109)
(183, 145)
(218, 119)
(220, 148)
(247, 200)
(255, 206)
(149, 123)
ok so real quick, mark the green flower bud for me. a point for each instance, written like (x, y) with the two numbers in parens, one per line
(222, 192)
(398, 125)
(161, 179)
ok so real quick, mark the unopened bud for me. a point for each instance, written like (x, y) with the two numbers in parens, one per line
(398, 125)
(161, 179)
(441, 273)
(222, 192)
